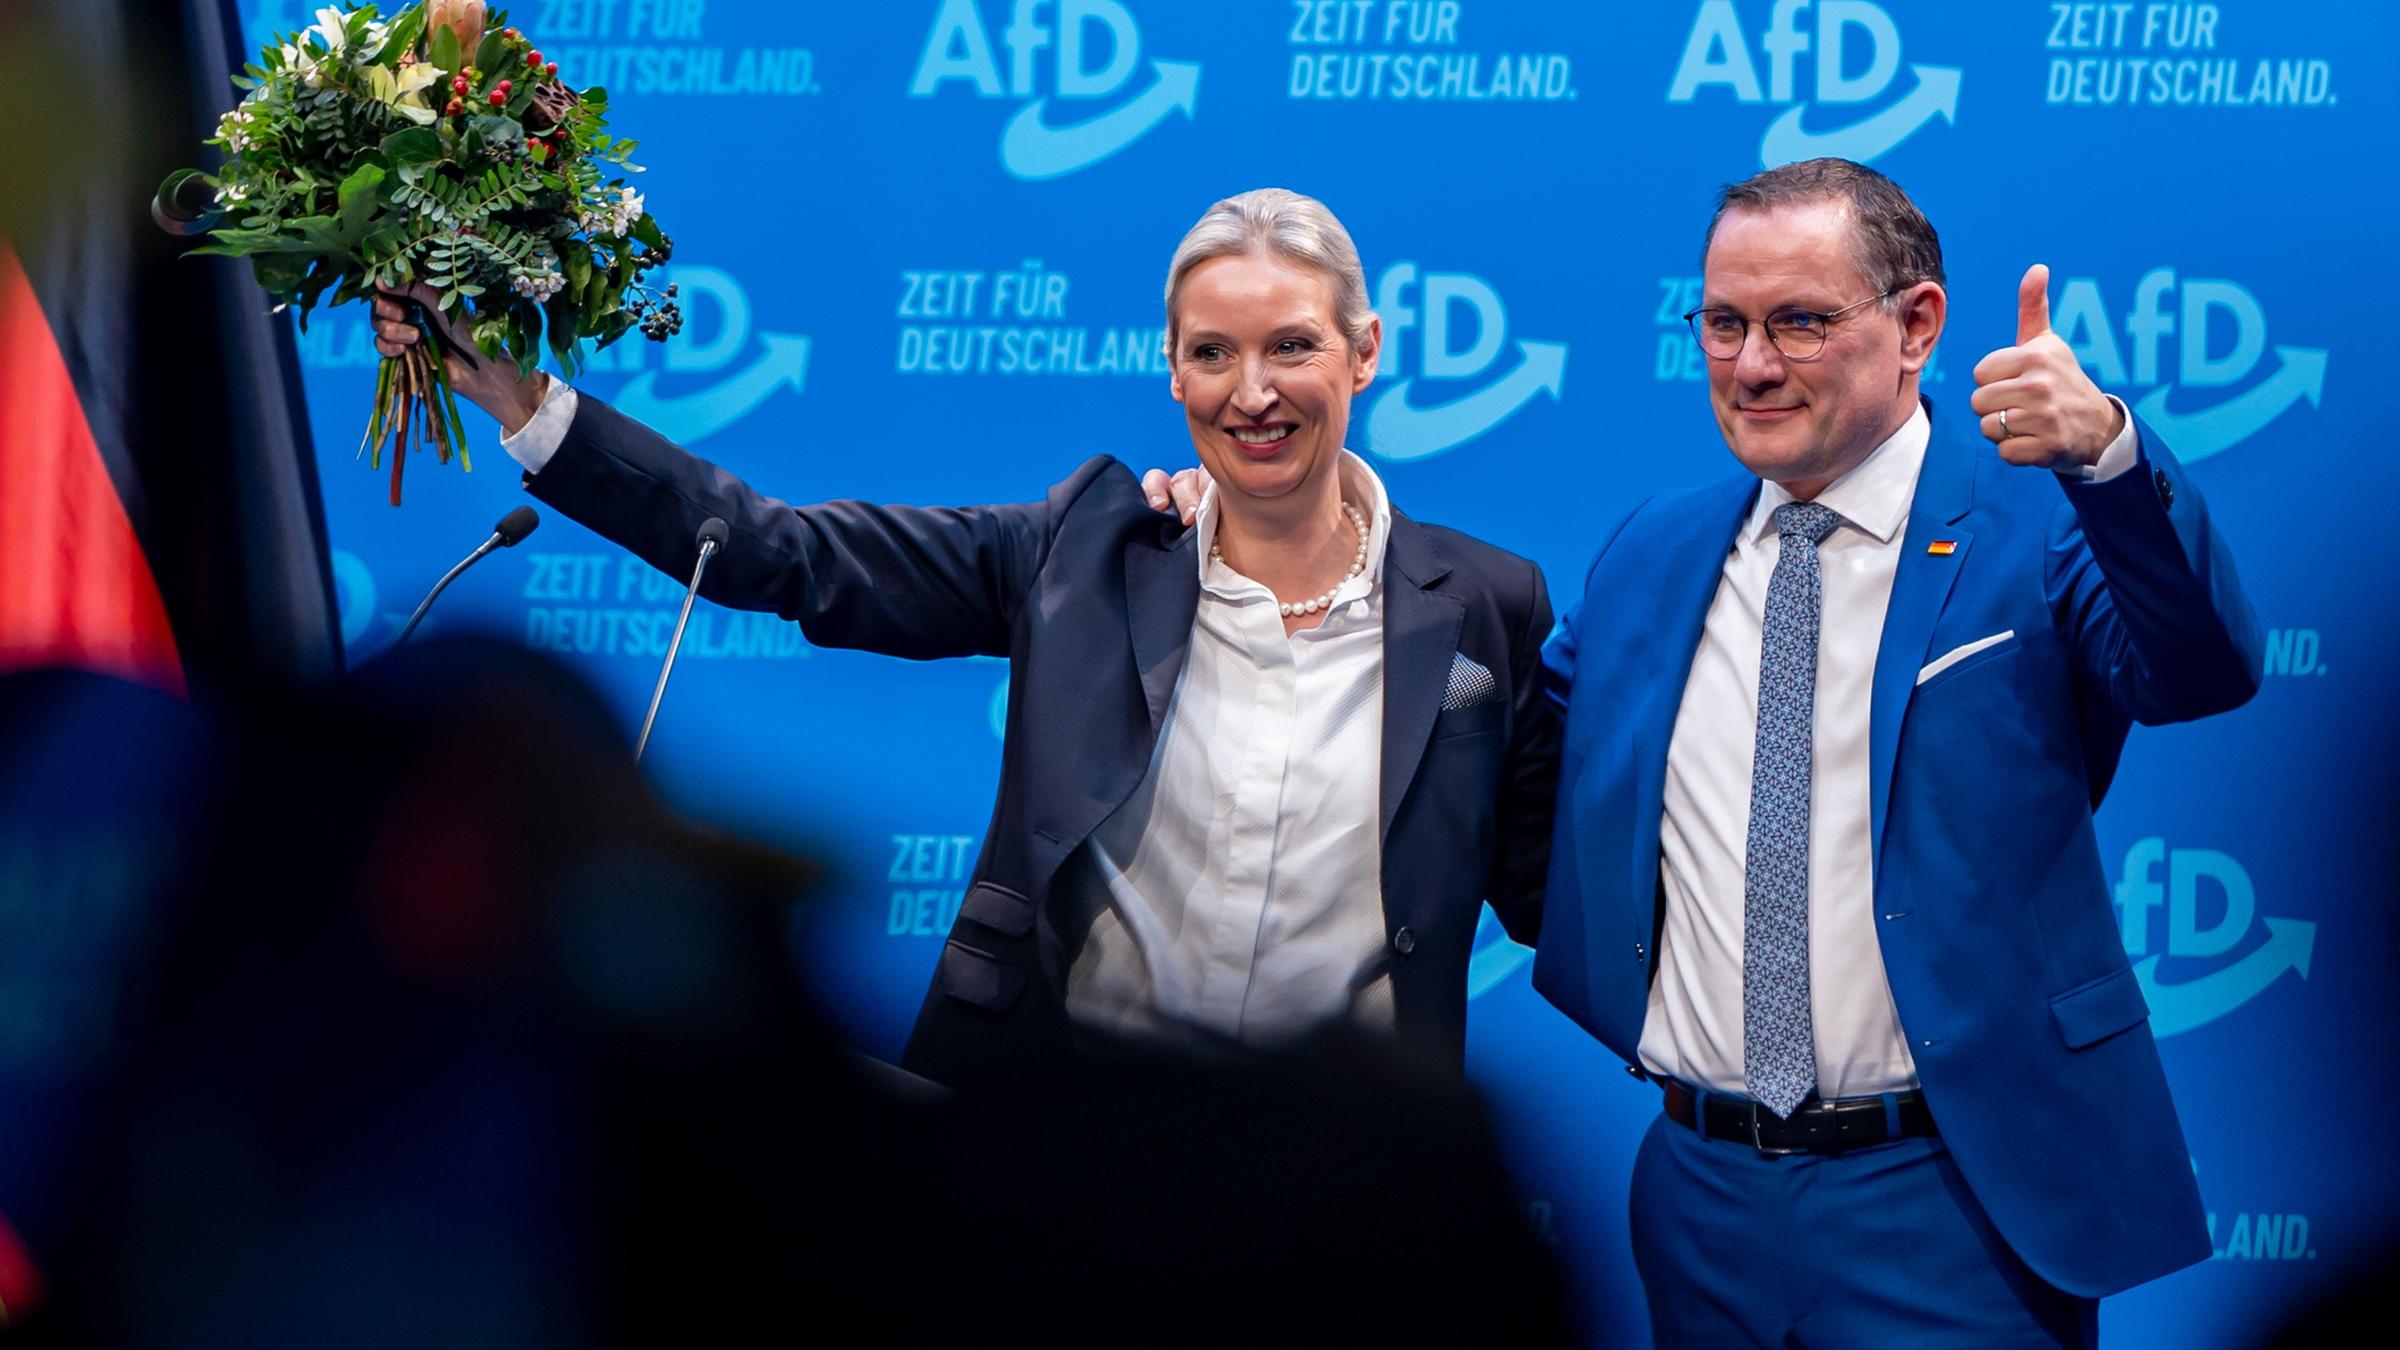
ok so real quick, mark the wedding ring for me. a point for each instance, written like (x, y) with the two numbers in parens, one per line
(2004, 424)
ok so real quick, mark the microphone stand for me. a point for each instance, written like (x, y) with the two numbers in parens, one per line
(708, 549)
(447, 577)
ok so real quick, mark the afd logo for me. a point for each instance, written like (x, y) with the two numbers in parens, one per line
(1718, 53)
(1465, 330)
(2221, 337)
(2196, 1001)
(1032, 146)
(718, 340)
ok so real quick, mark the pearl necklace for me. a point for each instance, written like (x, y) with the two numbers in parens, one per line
(1358, 564)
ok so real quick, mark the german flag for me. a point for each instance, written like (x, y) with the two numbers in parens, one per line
(159, 517)
(75, 583)
(159, 522)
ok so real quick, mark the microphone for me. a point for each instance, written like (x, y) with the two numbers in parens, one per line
(185, 205)
(512, 529)
(710, 539)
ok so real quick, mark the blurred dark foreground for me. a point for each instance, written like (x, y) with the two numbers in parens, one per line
(398, 1012)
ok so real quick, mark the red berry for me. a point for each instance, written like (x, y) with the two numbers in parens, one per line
(552, 68)
(503, 86)
(458, 84)
(509, 33)
(499, 99)
(533, 58)
(455, 108)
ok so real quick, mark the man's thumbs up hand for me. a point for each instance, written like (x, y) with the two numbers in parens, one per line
(2033, 303)
(2037, 404)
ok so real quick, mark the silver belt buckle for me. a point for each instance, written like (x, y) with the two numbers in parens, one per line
(1758, 1141)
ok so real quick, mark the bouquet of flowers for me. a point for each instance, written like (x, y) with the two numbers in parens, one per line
(437, 148)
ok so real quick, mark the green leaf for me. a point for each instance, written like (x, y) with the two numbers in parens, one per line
(489, 52)
(280, 274)
(357, 202)
(560, 310)
(441, 47)
(317, 234)
(414, 145)
(403, 34)
(647, 231)
(326, 272)
(595, 97)
(492, 130)
(238, 242)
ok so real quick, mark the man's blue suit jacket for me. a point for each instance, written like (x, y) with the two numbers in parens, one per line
(2013, 987)
(1090, 595)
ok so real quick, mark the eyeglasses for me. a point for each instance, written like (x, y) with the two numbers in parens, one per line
(1799, 334)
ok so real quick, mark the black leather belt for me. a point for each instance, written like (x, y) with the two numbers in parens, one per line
(1813, 1127)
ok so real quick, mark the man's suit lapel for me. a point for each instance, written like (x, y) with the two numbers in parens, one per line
(1420, 636)
(1162, 594)
(1684, 584)
(1920, 586)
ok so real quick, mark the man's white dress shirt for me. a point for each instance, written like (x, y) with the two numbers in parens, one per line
(1693, 1029)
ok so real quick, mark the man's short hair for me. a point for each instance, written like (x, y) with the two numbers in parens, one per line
(1891, 242)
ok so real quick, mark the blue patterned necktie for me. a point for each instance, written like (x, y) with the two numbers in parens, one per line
(1779, 1047)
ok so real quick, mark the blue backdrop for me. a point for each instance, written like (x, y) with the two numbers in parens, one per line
(921, 243)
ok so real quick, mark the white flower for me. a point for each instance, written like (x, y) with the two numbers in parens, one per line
(307, 65)
(540, 286)
(329, 26)
(229, 193)
(234, 130)
(406, 86)
(611, 215)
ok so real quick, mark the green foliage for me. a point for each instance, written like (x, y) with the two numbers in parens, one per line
(442, 50)
(345, 173)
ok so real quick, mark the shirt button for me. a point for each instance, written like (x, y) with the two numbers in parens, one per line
(1404, 941)
(2166, 488)
(1640, 954)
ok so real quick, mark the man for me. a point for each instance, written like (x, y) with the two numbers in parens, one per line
(1825, 867)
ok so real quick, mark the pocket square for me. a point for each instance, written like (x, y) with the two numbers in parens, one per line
(1471, 683)
(1957, 654)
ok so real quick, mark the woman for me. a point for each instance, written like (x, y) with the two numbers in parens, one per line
(1259, 772)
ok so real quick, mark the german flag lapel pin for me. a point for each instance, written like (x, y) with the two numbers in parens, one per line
(1942, 548)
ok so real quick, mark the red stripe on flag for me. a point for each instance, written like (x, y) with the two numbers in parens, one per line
(75, 587)
(20, 1280)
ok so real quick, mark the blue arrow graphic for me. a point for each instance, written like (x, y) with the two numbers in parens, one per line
(688, 418)
(1030, 149)
(2192, 1003)
(2197, 435)
(1398, 432)
(1864, 139)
